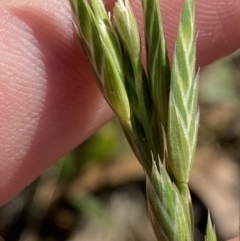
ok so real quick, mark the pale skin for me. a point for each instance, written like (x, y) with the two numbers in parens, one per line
(49, 102)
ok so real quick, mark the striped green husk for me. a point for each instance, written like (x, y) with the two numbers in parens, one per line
(166, 207)
(183, 112)
(157, 58)
(158, 67)
(143, 116)
(103, 49)
(210, 232)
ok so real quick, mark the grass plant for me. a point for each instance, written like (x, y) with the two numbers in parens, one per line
(158, 110)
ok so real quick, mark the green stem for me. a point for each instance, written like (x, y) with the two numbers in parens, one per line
(187, 203)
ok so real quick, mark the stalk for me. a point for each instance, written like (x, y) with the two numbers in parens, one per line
(158, 110)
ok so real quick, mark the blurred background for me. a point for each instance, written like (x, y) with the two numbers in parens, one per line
(97, 191)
